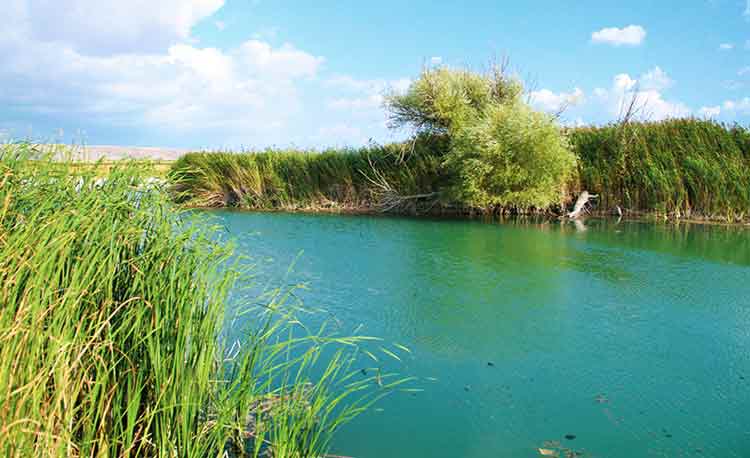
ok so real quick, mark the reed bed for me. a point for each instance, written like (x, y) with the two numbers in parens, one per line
(682, 167)
(111, 310)
(289, 179)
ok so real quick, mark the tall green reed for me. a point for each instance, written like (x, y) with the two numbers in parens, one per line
(687, 166)
(287, 179)
(111, 308)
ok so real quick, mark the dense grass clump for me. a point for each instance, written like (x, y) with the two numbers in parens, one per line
(345, 179)
(111, 307)
(687, 167)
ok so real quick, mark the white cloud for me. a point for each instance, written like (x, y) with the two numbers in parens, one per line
(632, 35)
(600, 93)
(252, 90)
(709, 112)
(646, 91)
(555, 102)
(436, 60)
(285, 62)
(623, 83)
(151, 79)
(365, 96)
(96, 27)
(726, 46)
(743, 71)
(738, 106)
(655, 79)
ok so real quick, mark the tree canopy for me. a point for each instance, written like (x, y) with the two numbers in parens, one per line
(502, 152)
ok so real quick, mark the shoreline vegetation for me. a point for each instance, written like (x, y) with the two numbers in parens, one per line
(479, 149)
(112, 302)
(678, 170)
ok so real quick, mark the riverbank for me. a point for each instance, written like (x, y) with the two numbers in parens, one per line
(675, 170)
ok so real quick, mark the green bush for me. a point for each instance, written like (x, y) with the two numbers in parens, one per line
(515, 158)
(502, 153)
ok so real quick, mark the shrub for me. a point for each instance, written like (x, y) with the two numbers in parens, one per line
(502, 152)
(515, 157)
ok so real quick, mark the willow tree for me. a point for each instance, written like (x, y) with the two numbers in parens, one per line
(502, 152)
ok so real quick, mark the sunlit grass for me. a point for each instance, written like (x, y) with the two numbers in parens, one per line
(290, 179)
(111, 307)
(686, 166)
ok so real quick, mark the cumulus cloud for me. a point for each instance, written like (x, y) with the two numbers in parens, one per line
(555, 102)
(646, 92)
(137, 77)
(726, 46)
(632, 35)
(709, 112)
(96, 27)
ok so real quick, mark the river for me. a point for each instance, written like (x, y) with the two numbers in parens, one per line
(603, 339)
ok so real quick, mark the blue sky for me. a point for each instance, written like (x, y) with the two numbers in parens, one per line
(256, 73)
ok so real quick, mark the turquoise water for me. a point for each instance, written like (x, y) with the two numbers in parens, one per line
(634, 338)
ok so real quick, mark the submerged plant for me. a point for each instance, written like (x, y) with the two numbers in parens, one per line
(111, 308)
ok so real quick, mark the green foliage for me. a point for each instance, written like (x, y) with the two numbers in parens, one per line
(307, 179)
(503, 153)
(111, 306)
(696, 167)
(687, 166)
(443, 99)
(515, 157)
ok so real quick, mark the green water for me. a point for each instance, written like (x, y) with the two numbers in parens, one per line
(634, 338)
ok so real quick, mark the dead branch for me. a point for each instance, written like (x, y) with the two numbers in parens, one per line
(385, 196)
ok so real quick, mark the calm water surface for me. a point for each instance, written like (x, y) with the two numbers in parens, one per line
(634, 338)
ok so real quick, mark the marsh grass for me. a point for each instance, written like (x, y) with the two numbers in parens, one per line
(682, 167)
(111, 308)
(287, 179)
(688, 167)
